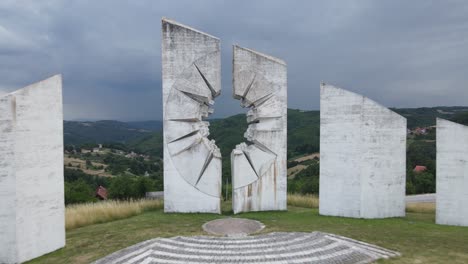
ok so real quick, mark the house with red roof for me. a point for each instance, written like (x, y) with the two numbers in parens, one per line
(419, 168)
(101, 193)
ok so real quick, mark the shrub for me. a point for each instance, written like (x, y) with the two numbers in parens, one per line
(78, 192)
(424, 182)
(421, 208)
(127, 187)
(122, 187)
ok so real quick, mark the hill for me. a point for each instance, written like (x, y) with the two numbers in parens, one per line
(303, 140)
(303, 130)
(152, 125)
(461, 117)
(426, 116)
(303, 133)
(107, 131)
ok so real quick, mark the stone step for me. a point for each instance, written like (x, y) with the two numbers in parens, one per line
(281, 247)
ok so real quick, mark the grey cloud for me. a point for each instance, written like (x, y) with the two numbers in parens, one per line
(400, 53)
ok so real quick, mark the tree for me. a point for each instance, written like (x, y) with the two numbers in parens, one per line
(410, 189)
(424, 182)
(307, 180)
(122, 187)
(144, 185)
(78, 192)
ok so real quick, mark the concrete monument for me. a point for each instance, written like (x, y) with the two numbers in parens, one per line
(362, 156)
(259, 170)
(191, 73)
(452, 173)
(32, 213)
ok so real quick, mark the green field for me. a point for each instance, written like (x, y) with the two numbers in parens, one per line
(415, 236)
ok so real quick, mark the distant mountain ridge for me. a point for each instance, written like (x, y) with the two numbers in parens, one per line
(303, 129)
(106, 131)
(151, 125)
(426, 116)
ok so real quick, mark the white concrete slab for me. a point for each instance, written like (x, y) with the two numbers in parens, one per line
(362, 156)
(452, 173)
(191, 63)
(259, 172)
(32, 210)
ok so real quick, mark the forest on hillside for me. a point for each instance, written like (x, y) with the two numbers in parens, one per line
(303, 139)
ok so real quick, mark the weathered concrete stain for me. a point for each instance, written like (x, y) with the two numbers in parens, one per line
(191, 63)
(275, 176)
(259, 170)
(452, 173)
(13, 109)
(32, 210)
(363, 156)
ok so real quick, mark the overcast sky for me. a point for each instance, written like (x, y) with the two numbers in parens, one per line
(399, 53)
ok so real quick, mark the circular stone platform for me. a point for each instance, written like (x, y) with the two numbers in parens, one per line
(315, 247)
(233, 227)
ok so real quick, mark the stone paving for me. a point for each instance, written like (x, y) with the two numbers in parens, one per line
(233, 227)
(281, 247)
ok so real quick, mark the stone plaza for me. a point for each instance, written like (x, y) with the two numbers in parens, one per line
(280, 247)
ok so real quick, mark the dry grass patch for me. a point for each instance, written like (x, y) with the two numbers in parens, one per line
(308, 157)
(312, 201)
(295, 170)
(301, 200)
(79, 215)
(428, 208)
(80, 164)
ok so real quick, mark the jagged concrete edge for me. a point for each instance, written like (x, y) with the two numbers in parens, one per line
(274, 59)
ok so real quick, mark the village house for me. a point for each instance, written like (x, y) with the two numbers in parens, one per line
(419, 169)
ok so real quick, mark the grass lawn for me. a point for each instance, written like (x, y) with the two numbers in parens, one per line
(415, 236)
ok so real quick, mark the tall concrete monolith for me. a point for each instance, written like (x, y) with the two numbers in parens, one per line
(362, 156)
(259, 172)
(452, 173)
(32, 210)
(191, 67)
